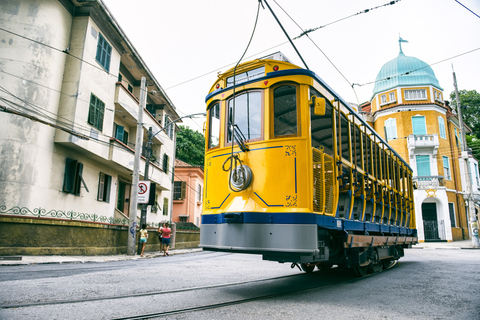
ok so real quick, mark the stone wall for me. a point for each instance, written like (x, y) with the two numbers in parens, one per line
(42, 236)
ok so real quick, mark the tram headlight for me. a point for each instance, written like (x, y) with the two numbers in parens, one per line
(241, 177)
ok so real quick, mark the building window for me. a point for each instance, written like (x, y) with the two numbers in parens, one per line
(457, 138)
(165, 206)
(104, 52)
(423, 166)
(285, 110)
(441, 128)
(169, 127)
(95, 112)
(199, 193)
(248, 115)
(390, 129)
(451, 209)
(419, 126)
(104, 183)
(419, 94)
(72, 177)
(391, 96)
(475, 169)
(383, 99)
(123, 197)
(446, 168)
(179, 188)
(214, 126)
(121, 134)
(166, 162)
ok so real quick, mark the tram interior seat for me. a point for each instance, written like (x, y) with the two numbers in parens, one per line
(378, 211)
(344, 200)
(369, 210)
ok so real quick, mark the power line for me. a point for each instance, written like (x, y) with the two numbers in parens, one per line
(414, 70)
(467, 8)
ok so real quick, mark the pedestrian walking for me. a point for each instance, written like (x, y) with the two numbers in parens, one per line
(159, 232)
(143, 237)
(166, 232)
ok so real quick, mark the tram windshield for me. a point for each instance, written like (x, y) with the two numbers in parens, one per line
(248, 115)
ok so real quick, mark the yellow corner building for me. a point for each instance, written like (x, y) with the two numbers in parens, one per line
(408, 109)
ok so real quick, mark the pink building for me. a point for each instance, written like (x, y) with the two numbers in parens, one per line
(187, 193)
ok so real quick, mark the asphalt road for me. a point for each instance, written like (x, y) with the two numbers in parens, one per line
(425, 284)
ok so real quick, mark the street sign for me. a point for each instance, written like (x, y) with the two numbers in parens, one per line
(143, 191)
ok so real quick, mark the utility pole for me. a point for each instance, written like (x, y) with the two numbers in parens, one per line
(132, 225)
(471, 204)
(138, 145)
(143, 215)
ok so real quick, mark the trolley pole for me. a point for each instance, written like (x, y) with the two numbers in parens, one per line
(132, 225)
(471, 204)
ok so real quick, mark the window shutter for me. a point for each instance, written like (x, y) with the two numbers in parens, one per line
(101, 186)
(119, 132)
(184, 187)
(441, 127)
(69, 176)
(78, 178)
(423, 165)
(419, 126)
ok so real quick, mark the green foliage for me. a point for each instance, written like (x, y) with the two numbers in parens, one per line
(474, 144)
(470, 102)
(190, 146)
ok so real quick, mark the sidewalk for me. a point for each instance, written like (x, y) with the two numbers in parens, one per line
(463, 244)
(26, 260)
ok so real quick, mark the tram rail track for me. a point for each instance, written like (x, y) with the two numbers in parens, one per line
(191, 289)
(245, 300)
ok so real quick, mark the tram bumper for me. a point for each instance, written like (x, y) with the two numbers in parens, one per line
(276, 242)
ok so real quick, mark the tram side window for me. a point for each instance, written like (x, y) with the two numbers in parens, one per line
(214, 126)
(285, 110)
(248, 115)
(321, 126)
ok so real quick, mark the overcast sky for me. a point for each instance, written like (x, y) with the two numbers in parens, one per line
(186, 43)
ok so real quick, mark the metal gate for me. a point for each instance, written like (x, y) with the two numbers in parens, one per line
(434, 230)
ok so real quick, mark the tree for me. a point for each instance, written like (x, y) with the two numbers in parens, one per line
(474, 144)
(190, 146)
(470, 102)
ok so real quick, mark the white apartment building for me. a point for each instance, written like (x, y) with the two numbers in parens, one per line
(69, 101)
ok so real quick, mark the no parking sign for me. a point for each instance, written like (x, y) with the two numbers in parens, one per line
(143, 191)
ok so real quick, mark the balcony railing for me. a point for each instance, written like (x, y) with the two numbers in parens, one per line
(428, 182)
(427, 140)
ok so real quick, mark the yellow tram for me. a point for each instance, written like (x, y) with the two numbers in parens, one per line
(293, 173)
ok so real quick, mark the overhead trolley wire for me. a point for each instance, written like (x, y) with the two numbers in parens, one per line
(414, 70)
(306, 32)
(467, 8)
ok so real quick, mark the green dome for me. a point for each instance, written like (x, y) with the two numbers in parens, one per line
(404, 71)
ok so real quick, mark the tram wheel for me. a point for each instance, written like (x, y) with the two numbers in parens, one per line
(308, 268)
(387, 263)
(360, 271)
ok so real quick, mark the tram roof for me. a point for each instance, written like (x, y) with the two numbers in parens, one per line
(300, 71)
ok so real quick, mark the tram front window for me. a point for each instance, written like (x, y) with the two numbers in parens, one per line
(214, 126)
(285, 110)
(248, 115)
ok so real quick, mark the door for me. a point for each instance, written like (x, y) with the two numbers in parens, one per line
(430, 223)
